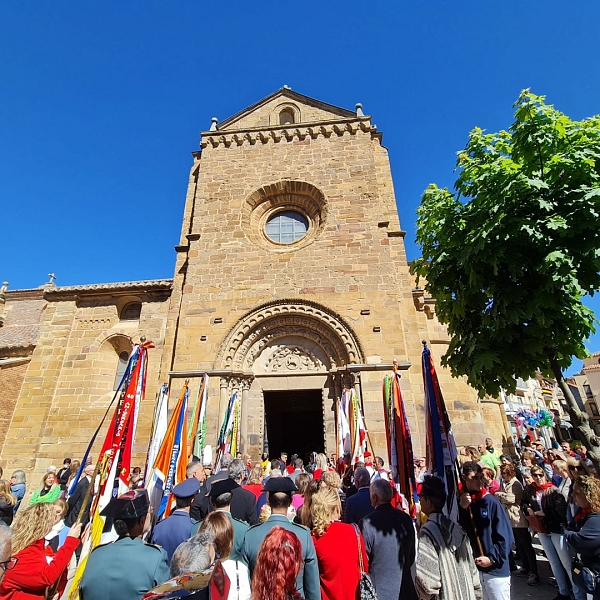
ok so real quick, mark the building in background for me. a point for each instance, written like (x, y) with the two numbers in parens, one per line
(291, 283)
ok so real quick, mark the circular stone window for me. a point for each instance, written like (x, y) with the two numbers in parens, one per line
(286, 227)
(284, 216)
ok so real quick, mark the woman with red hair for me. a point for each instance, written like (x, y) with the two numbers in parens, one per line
(277, 567)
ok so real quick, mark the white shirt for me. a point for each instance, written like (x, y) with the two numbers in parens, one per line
(237, 572)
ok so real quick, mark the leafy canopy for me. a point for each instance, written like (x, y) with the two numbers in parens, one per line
(510, 256)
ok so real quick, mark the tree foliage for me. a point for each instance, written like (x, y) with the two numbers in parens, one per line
(511, 254)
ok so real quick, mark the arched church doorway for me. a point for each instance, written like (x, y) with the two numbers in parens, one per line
(287, 353)
(294, 422)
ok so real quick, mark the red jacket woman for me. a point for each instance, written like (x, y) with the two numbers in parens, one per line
(337, 548)
(33, 574)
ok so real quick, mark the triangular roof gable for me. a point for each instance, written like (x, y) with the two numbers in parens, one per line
(261, 114)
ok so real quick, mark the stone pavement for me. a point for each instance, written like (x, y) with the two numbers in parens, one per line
(520, 590)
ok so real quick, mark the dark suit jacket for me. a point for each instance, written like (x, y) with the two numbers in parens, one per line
(75, 503)
(201, 506)
(358, 506)
(243, 506)
(389, 536)
(222, 474)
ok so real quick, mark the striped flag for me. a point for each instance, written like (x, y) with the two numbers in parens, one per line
(171, 460)
(159, 429)
(115, 456)
(400, 451)
(197, 429)
(442, 456)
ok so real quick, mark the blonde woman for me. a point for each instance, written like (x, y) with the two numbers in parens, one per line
(320, 466)
(337, 545)
(7, 502)
(32, 574)
(48, 492)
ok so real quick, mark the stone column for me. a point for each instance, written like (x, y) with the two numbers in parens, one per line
(245, 384)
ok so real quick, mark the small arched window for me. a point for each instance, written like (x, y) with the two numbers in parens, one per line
(131, 311)
(286, 117)
(123, 361)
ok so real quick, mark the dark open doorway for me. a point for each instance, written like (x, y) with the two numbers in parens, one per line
(294, 422)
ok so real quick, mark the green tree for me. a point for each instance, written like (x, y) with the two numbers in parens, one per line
(511, 254)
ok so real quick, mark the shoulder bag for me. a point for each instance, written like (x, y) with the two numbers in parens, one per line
(585, 577)
(365, 585)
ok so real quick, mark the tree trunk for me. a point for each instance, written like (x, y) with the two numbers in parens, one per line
(579, 419)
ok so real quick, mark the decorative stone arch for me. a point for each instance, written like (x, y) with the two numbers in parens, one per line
(268, 200)
(284, 318)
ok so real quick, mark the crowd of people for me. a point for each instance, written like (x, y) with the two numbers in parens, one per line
(314, 528)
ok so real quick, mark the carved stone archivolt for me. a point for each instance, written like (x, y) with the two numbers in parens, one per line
(277, 320)
(294, 359)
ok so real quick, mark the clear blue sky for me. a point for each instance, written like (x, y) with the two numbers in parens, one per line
(101, 104)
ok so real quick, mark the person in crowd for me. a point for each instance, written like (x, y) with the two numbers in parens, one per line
(18, 487)
(566, 448)
(353, 488)
(482, 517)
(298, 469)
(62, 476)
(200, 506)
(302, 482)
(195, 555)
(265, 463)
(490, 457)
(320, 466)
(254, 483)
(129, 567)
(507, 459)
(548, 511)
(303, 516)
(243, 502)
(48, 492)
(278, 567)
(368, 457)
(560, 468)
(527, 459)
(491, 484)
(279, 492)
(389, 537)
(289, 469)
(332, 480)
(445, 567)
(76, 499)
(380, 470)
(56, 537)
(220, 499)
(359, 505)
(527, 478)
(581, 451)
(510, 496)
(73, 470)
(7, 502)
(575, 469)
(32, 574)
(282, 461)
(220, 529)
(177, 527)
(420, 469)
(6, 562)
(468, 454)
(583, 534)
(337, 546)
(226, 460)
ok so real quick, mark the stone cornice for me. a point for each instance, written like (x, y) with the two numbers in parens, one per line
(151, 285)
(288, 133)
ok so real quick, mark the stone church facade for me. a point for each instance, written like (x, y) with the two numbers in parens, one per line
(291, 282)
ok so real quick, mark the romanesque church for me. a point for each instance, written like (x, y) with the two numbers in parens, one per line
(290, 282)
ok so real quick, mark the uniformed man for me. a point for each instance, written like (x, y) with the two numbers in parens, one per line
(177, 528)
(279, 495)
(220, 499)
(129, 567)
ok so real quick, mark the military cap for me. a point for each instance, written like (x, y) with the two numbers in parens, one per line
(222, 486)
(129, 505)
(280, 484)
(187, 488)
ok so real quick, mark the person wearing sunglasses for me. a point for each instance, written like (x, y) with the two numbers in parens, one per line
(547, 511)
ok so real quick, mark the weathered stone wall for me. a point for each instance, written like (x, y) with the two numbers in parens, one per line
(70, 379)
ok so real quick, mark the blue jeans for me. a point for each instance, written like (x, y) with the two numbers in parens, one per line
(559, 556)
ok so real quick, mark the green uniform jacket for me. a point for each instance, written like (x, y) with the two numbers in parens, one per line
(123, 570)
(239, 532)
(308, 579)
